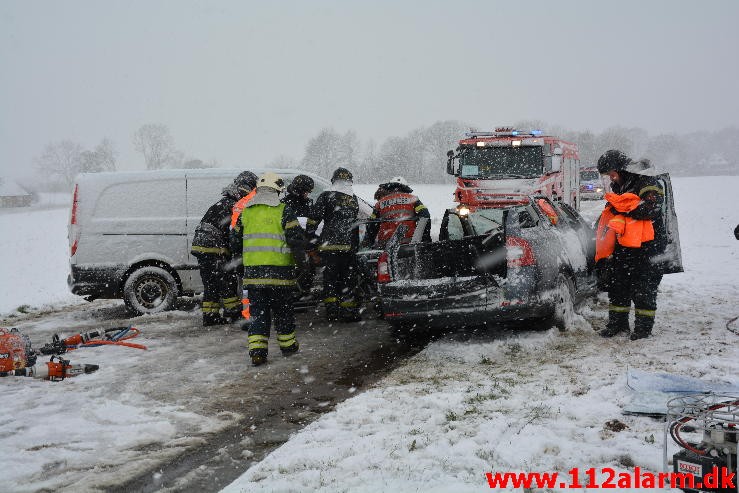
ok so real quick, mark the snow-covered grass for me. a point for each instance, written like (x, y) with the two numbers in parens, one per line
(525, 400)
(528, 401)
(35, 257)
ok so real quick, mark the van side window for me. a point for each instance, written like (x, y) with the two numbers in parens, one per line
(146, 199)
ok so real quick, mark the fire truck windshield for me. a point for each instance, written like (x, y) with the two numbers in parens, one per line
(501, 162)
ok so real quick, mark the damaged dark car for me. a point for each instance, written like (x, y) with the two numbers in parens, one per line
(529, 258)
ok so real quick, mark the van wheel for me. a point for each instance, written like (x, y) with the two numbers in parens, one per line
(564, 302)
(150, 289)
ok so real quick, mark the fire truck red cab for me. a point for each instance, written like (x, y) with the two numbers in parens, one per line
(494, 168)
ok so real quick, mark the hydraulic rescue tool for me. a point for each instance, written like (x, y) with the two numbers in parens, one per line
(18, 357)
(706, 427)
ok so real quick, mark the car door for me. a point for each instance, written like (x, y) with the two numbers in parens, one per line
(671, 260)
(468, 261)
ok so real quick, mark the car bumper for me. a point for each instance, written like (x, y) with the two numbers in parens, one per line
(98, 282)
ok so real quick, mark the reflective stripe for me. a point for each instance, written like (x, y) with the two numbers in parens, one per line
(258, 337)
(619, 309)
(270, 282)
(645, 313)
(258, 345)
(202, 249)
(264, 236)
(420, 207)
(349, 304)
(292, 224)
(311, 222)
(286, 340)
(651, 188)
(283, 250)
(343, 248)
(331, 299)
(231, 302)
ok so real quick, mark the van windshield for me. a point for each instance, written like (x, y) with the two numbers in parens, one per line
(502, 162)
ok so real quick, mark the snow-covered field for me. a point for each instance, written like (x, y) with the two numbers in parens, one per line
(468, 404)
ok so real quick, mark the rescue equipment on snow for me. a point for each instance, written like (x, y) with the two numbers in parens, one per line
(706, 427)
(17, 356)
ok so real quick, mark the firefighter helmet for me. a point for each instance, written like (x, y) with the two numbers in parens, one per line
(246, 181)
(398, 179)
(271, 180)
(342, 174)
(613, 160)
(301, 184)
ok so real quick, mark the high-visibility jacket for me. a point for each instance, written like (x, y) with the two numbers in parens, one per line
(617, 228)
(392, 210)
(267, 258)
(239, 206)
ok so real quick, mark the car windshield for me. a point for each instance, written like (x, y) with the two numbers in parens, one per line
(485, 221)
(502, 162)
(589, 175)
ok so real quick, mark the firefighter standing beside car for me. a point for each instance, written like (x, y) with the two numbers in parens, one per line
(301, 204)
(631, 237)
(338, 208)
(270, 237)
(210, 246)
(395, 205)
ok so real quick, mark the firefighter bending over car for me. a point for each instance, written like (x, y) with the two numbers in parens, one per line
(210, 246)
(270, 237)
(395, 205)
(338, 209)
(297, 198)
(630, 238)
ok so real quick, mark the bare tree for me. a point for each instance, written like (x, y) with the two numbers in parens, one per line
(61, 160)
(103, 158)
(157, 145)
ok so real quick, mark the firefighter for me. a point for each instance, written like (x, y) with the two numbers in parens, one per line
(395, 205)
(270, 236)
(210, 245)
(301, 204)
(338, 208)
(633, 273)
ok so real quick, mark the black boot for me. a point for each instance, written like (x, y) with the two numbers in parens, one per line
(643, 323)
(618, 321)
(258, 356)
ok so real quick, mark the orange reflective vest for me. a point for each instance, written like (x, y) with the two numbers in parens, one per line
(396, 209)
(614, 227)
(239, 206)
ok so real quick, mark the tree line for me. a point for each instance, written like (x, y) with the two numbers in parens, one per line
(419, 156)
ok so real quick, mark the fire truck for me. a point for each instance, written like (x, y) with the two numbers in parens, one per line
(494, 168)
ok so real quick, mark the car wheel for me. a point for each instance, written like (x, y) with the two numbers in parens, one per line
(150, 289)
(564, 302)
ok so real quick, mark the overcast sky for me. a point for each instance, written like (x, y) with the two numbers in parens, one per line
(242, 82)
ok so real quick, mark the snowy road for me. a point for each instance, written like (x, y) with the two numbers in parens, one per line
(189, 412)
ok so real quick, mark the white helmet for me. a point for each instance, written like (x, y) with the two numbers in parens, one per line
(398, 179)
(271, 180)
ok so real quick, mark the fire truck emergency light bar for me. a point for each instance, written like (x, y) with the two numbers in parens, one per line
(503, 132)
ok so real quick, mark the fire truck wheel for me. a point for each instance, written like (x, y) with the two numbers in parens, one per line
(150, 289)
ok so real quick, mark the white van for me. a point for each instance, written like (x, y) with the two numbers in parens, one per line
(130, 233)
